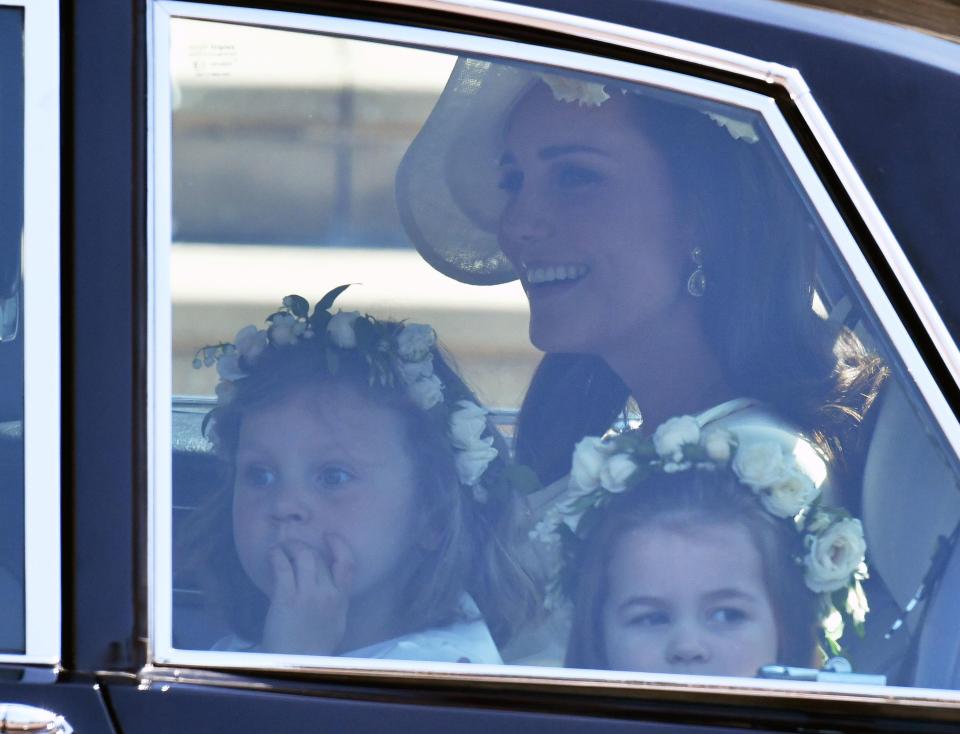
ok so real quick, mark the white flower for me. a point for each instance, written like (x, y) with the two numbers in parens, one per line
(228, 367)
(415, 341)
(473, 462)
(413, 371)
(790, 495)
(250, 342)
(857, 605)
(566, 89)
(760, 465)
(718, 442)
(835, 555)
(340, 329)
(545, 531)
(589, 456)
(467, 424)
(426, 392)
(282, 329)
(738, 129)
(675, 433)
(615, 473)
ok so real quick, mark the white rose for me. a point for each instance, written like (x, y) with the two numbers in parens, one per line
(413, 371)
(473, 462)
(415, 341)
(340, 329)
(581, 91)
(790, 495)
(467, 424)
(615, 473)
(282, 330)
(834, 555)
(426, 392)
(589, 456)
(717, 442)
(672, 435)
(228, 367)
(760, 465)
(250, 342)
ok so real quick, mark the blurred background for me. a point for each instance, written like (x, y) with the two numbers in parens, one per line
(285, 147)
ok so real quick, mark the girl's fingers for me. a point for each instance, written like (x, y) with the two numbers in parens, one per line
(342, 565)
(305, 563)
(284, 579)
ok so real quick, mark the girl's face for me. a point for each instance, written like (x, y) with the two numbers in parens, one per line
(322, 464)
(688, 601)
(589, 223)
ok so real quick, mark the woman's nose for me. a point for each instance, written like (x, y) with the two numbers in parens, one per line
(525, 222)
(687, 645)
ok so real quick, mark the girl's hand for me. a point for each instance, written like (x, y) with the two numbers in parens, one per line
(308, 606)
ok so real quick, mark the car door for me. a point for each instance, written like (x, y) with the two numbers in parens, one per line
(267, 150)
(32, 693)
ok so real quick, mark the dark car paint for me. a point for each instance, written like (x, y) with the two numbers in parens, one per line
(893, 114)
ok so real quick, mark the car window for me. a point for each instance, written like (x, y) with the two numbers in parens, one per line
(11, 330)
(703, 411)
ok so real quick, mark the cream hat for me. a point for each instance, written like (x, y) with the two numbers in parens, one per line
(447, 184)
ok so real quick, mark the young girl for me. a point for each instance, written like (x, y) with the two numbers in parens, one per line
(372, 510)
(694, 553)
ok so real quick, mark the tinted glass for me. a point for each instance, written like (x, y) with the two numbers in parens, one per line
(672, 265)
(11, 335)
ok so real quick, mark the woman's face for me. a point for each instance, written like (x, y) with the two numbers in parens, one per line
(690, 601)
(589, 224)
(326, 462)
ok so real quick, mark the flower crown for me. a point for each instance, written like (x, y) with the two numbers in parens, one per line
(832, 541)
(398, 355)
(593, 94)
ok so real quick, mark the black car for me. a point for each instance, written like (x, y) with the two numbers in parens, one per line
(173, 171)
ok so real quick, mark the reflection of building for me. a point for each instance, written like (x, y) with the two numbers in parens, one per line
(284, 154)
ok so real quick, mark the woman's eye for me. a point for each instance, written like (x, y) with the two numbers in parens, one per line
(574, 177)
(649, 619)
(334, 476)
(511, 180)
(728, 615)
(257, 475)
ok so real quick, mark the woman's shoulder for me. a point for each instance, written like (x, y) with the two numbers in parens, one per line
(752, 421)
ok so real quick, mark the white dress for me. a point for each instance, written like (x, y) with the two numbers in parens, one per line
(467, 641)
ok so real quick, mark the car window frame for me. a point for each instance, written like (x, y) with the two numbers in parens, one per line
(40, 269)
(902, 335)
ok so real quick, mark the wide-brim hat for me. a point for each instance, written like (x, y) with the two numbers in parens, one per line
(447, 183)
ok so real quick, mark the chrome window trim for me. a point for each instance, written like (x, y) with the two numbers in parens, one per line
(159, 197)
(41, 327)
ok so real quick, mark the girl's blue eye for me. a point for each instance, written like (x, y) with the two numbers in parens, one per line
(728, 615)
(511, 180)
(571, 176)
(649, 619)
(334, 476)
(258, 475)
